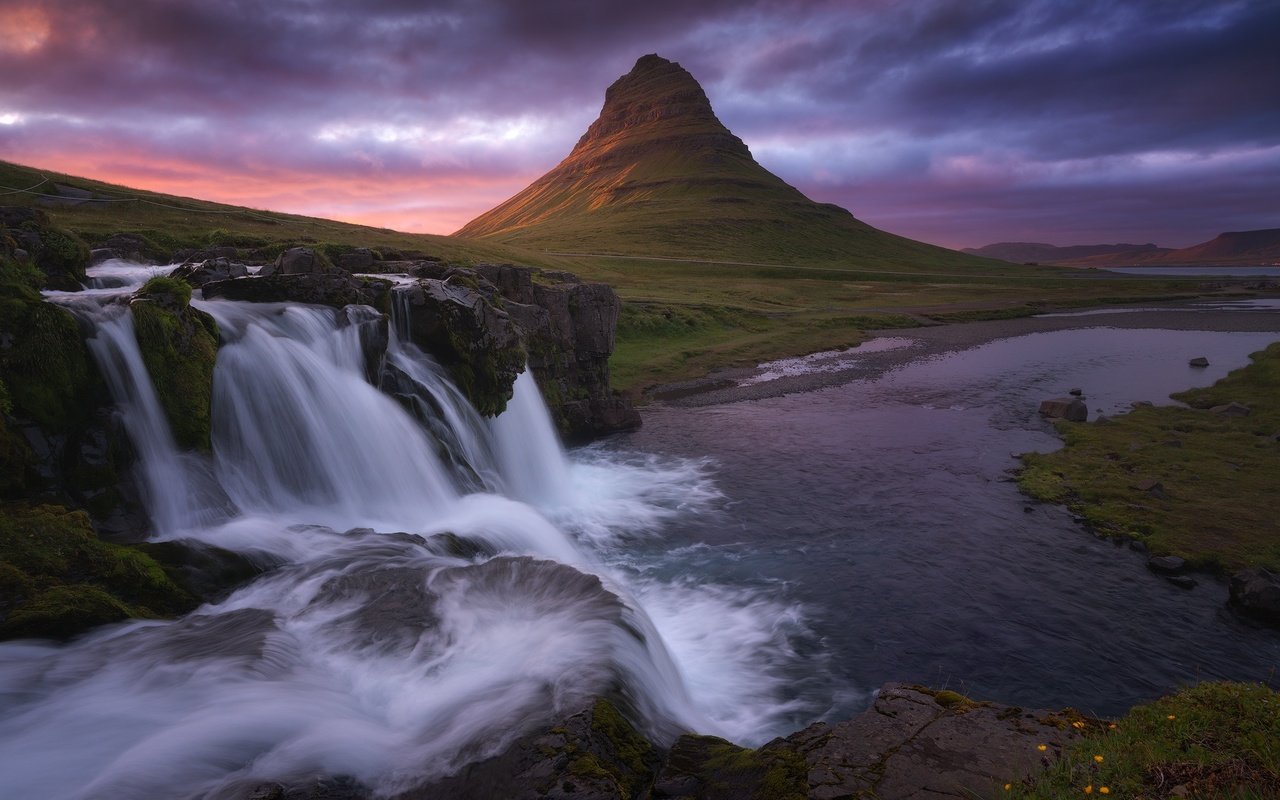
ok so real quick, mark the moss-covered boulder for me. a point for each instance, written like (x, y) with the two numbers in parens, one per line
(595, 754)
(179, 346)
(58, 253)
(48, 373)
(57, 579)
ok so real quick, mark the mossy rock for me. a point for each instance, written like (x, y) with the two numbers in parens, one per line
(60, 255)
(59, 579)
(179, 346)
(48, 372)
(721, 770)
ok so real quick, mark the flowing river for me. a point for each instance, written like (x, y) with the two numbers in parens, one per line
(440, 583)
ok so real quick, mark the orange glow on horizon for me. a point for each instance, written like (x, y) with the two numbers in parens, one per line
(26, 29)
(410, 204)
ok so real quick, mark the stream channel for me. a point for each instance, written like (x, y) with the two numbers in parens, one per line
(442, 583)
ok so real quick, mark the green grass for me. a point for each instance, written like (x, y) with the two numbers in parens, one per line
(1210, 741)
(1215, 471)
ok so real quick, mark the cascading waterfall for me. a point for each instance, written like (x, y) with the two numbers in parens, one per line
(416, 618)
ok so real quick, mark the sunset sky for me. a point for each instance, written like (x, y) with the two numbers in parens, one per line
(958, 122)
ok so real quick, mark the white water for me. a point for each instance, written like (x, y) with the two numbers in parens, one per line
(379, 652)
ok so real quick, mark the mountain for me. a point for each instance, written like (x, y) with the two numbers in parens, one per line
(657, 174)
(1036, 252)
(1237, 248)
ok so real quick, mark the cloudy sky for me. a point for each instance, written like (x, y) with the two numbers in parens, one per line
(959, 122)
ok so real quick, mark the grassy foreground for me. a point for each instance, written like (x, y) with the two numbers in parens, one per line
(1216, 473)
(1213, 740)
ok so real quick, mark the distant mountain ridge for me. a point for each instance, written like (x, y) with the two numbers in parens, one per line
(1234, 248)
(1022, 252)
(658, 174)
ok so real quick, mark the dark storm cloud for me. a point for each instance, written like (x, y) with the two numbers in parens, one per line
(907, 112)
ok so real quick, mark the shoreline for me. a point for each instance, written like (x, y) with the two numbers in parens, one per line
(731, 385)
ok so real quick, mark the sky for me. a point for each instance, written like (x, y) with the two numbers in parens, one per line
(957, 122)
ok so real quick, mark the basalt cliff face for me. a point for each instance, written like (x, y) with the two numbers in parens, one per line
(658, 174)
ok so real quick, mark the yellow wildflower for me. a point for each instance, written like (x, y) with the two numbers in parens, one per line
(1098, 759)
(1173, 716)
(1111, 727)
(1042, 747)
(1103, 790)
(1088, 789)
(1008, 786)
(1077, 724)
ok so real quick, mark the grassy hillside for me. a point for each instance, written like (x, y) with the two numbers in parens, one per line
(183, 222)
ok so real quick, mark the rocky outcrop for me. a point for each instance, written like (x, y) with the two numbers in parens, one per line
(1256, 591)
(469, 334)
(130, 247)
(212, 269)
(593, 755)
(912, 743)
(916, 742)
(325, 289)
(568, 330)
(179, 346)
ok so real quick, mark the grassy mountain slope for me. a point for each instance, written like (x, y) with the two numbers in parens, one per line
(657, 174)
(96, 210)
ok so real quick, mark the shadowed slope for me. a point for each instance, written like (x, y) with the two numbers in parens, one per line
(657, 174)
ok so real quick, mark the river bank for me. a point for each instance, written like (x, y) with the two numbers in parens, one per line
(809, 373)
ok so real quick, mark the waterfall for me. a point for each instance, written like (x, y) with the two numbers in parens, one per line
(439, 592)
(532, 463)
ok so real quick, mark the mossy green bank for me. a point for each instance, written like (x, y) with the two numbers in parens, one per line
(1186, 480)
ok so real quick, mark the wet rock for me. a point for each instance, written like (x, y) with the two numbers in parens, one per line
(1232, 409)
(133, 247)
(359, 260)
(299, 261)
(1182, 581)
(915, 742)
(709, 767)
(569, 326)
(1169, 564)
(595, 754)
(1070, 409)
(1199, 361)
(336, 290)
(1256, 591)
(1136, 404)
(1076, 392)
(1137, 545)
(471, 337)
(214, 269)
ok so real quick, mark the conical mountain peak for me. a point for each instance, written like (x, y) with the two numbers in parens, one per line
(654, 91)
(657, 174)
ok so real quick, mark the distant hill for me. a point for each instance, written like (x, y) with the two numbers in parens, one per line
(1036, 252)
(1239, 248)
(657, 174)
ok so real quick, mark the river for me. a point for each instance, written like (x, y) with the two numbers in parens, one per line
(443, 583)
